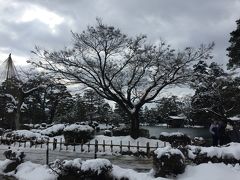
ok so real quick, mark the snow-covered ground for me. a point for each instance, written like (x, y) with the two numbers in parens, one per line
(206, 171)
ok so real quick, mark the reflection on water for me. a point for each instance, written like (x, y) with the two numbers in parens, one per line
(192, 132)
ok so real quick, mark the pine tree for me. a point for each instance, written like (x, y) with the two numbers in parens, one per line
(234, 48)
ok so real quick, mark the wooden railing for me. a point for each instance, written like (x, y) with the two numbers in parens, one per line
(94, 147)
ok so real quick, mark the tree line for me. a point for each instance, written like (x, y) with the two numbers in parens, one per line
(131, 72)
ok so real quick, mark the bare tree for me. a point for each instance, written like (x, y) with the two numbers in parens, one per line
(126, 70)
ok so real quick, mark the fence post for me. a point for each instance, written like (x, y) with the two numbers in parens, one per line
(89, 146)
(31, 143)
(129, 146)
(148, 150)
(47, 153)
(82, 145)
(60, 144)
(111, 146)
(121, 147)
(103, 145)
(54, 143)
(14, 141)
(74, 145)
(96, 149)
(25, 142)
(36, 143)
(157, 145)
(41, 143)
(137, 146)
(164, 143)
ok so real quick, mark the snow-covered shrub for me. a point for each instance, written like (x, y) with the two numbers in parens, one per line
(168, 161)
(198, 141)
(175, 138)
(54, 130)
(96, 169)
(67, 169)
(125, 131)
(228, 154)
(15, 158)
(77, 169)
(121, 131)
(27, 126)
(12, 155)
(108, 133)
(1, 131)
(23, 135)
(77, 133)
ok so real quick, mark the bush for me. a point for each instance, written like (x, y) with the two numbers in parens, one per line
(124, 131)
(77, 133)
(175, 139)
(15, 158)
(144, 133)
(121, 131)
(168, 161)
(99, 169)
(54, 130)
(227, 154)
(108, 133)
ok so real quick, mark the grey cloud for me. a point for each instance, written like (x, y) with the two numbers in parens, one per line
(179, 22)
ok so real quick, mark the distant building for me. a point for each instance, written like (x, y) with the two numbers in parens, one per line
(176, 121)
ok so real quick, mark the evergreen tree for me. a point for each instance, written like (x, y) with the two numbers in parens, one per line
(216, 96)
(234, 48)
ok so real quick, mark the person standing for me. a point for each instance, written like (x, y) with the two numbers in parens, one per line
(221, 133)
(214, 131)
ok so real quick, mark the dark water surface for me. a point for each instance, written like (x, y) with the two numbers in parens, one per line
(192, 132)
(2, 177)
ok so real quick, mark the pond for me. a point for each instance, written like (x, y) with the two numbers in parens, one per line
(192, 132)
(2, 177)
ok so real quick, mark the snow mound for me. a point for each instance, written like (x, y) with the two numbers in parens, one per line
(30, 171)
(168, 151)
(209, 171)
(120, 173)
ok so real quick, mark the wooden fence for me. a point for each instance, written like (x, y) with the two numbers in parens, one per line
(94, 147)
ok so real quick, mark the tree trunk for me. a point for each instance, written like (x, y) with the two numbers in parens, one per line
(18, 113)
(134, 133)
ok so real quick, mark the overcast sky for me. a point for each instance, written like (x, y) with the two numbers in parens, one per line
(181, 23)
(47, 23)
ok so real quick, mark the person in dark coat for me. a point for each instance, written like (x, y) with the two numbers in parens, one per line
(214, 131)
(221, 133)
